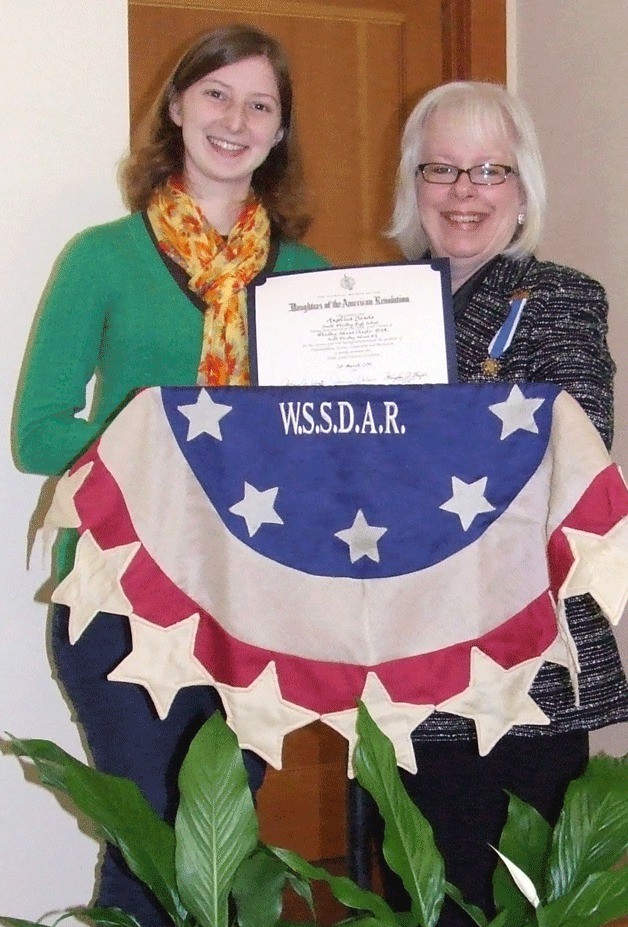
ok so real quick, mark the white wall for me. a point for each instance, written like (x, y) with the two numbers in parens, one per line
(64, 77)
(567, 60)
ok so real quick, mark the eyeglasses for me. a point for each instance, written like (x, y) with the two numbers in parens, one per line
(481, 174)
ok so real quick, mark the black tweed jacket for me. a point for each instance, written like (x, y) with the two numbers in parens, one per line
(561, 338)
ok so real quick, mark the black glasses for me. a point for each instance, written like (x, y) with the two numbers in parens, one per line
(481, 174)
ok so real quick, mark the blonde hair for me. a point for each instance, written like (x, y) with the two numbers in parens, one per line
(488, 111)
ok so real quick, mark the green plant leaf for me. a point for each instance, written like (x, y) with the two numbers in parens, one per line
(104, 917)
(526, 840)
(501, 920)
(18, 922)
(258, 889)
(600, 899)
(606, 774)
(365, 920)
(592, 831)
(120, 812)
(343, 889)
(282, 923)
(302, 888)
(406, 919)
(216, 827)
(360, 920)
(409, 847)
(476, 914)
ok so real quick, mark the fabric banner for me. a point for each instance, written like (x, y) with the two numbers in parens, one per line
(302, 548)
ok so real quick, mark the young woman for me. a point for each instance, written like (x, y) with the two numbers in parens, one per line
(158, 298)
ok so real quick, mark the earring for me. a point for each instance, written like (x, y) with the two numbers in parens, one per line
(521, 218)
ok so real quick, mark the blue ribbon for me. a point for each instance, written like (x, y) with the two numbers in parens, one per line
(504, 336)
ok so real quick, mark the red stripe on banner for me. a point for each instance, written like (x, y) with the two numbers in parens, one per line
(423, 679)
(317, 685)
(101, 506)
(103, 511)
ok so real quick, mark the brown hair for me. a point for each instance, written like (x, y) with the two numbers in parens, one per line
(278, 182)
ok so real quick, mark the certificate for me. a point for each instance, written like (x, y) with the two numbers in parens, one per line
(381, 324)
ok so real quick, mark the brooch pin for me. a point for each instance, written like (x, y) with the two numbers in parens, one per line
(501, 342)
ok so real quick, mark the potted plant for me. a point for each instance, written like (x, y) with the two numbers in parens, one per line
(211, 870)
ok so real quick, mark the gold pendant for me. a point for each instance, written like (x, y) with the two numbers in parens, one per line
(490, 367)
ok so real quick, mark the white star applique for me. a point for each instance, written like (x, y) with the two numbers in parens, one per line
(467, 500)
(516, 413)
(361, 538)
(162, 660)
(600, 568)
(204, 416)
(396, 719)
(496, 699)
(558, 652)
(260, 715)
(257, 508)
(563, 651)
(62, 512)
(94, 584)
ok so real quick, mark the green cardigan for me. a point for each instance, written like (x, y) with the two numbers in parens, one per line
(111, 308)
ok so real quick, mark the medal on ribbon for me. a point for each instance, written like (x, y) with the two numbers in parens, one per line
(501, 342)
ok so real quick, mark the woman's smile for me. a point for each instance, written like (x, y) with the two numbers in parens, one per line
(226, 147)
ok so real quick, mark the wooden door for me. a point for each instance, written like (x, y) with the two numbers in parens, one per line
(358, 68)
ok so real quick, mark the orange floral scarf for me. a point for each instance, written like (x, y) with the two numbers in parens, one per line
(219, 271)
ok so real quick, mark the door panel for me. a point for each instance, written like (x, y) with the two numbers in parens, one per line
(358, 68)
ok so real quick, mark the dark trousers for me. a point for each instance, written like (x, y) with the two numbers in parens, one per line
(126, 737)
(463, 796)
